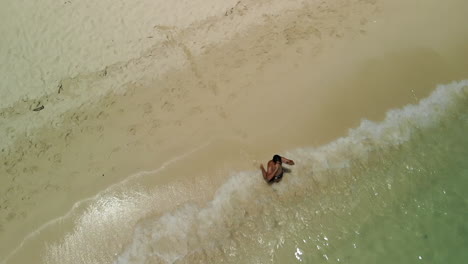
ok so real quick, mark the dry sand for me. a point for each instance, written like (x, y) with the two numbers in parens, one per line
(254, 79)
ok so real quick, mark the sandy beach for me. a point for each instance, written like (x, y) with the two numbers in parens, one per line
(191, 97)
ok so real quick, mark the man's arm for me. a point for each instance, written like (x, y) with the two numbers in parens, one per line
(287, 161)
(269, 175)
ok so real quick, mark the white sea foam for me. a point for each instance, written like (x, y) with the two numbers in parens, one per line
(397, 128)
(190, 229)
(110, 204)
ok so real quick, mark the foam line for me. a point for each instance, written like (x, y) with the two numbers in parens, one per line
(95, 197)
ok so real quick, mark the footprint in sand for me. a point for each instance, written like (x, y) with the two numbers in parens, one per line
(147, 108)
(132, 130)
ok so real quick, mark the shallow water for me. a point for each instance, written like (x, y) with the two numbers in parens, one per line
(407, 205)
(390, 192)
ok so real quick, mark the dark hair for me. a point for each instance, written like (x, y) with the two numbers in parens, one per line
(276, 158)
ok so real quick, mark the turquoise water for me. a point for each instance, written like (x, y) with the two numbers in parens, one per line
(410, 205)
(389, 192)
(401, 204)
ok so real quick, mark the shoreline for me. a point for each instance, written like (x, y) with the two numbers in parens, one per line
(142, 119)
(221, 112)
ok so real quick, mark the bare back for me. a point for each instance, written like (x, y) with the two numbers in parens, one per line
(272, 166)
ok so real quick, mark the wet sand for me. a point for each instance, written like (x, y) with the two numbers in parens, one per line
(299, 78)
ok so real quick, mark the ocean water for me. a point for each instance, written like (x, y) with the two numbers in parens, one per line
(389, 192)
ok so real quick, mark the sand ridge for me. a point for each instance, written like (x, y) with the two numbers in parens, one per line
(46, 42)
(88, 87)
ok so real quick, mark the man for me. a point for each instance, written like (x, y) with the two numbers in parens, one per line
(274, 171)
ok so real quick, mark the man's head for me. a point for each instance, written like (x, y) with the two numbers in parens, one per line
(277, 158)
